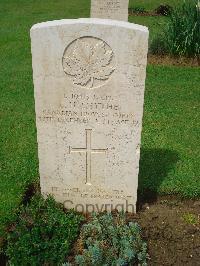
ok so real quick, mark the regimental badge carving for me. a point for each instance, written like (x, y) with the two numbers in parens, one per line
(89, 62)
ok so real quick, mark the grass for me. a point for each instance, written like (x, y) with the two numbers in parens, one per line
(169, 159)
(155, 24)
(170, 154)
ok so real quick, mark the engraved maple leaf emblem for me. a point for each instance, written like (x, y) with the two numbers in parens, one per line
(89, 62)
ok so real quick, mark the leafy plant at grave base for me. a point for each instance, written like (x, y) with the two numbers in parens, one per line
(109, 240)
(182, 35)
(43, 233)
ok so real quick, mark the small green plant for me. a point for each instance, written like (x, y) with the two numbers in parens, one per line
(109, 240)
(43, 234)
(190, 218)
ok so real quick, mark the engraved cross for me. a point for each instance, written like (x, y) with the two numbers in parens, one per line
(88, 151)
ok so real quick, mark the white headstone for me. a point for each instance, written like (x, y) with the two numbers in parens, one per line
(89, 79)
(110, 9)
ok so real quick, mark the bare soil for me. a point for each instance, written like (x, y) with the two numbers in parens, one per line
(171, 228)
(175, 61)
(144, 14)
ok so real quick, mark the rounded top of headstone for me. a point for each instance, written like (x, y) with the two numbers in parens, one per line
(95, 21)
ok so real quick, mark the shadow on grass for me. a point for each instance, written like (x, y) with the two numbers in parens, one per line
(3, 260)
(154, 167)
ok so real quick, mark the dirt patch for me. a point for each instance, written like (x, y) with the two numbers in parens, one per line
(142, 13)
(171, 228)
(175, 61)
(161, 10)
(30, 191)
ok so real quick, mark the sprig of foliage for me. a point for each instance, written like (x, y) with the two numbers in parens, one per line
(191, 218)
(42, 234)
(109, 240)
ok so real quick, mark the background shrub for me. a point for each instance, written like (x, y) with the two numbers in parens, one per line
(164, 10)
(43, 234)
(108, 240)
(182, 35)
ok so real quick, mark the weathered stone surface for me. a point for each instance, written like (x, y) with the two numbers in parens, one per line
(89, 80)
(110, 9)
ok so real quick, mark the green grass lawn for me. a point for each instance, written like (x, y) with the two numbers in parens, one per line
(169, 159)
(155, 24)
